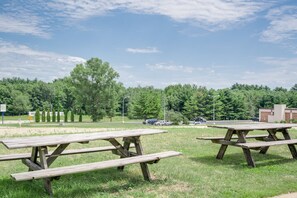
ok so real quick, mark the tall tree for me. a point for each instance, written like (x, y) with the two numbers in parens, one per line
(21, 103)
(92, 81)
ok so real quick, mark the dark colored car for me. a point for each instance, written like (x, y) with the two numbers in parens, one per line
(256, 119)
(199, 120)
(150, 121)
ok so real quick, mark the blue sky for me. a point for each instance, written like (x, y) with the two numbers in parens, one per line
(214, 43)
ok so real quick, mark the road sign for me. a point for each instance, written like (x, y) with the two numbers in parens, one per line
(2, 107)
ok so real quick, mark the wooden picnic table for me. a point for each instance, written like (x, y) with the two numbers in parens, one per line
(237, 135)
(40, 158)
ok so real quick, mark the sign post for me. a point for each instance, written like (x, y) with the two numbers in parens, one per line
(2, 110)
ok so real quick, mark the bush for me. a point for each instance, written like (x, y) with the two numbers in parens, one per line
(58, 116)
(72, 116)
(54, 116)
(66, 116)
(48, 116)
(80, 117)
(37, 116)
(43, 116)
(175, 117)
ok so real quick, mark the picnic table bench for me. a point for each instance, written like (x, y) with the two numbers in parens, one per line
(40, 159)
(237, 135)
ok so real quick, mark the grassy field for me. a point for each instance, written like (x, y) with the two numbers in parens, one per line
(194, 174)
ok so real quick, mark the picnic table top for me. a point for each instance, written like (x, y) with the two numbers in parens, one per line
(259, 126)
(50, 140)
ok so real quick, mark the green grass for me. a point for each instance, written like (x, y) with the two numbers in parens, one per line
(194, 174)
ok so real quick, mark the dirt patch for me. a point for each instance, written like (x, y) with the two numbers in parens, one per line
(289, 195)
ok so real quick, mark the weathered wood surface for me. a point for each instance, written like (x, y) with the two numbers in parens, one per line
(65, 152)
(264, 144)
(234, 137)
(35, 141)
(250, 127)
(53, 172)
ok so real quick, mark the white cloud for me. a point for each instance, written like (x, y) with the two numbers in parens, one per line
(214, 14)
(24, 62)
(147, 50)
(283, 24)
(172, 68)
(22, 26)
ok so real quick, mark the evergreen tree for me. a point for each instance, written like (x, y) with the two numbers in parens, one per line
(54, 116)
(43, 116)
(37, 116)
(65, 116)
(72, 116)
(48, 116)
(80, 117)
(58, 116)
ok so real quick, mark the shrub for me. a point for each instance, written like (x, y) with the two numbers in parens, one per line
(48, 116)
(54, 116)
(37, 116)
(80, 117)
(65, 116)
(43, 116)
(72, 116)
(58, 116)
(175, 117)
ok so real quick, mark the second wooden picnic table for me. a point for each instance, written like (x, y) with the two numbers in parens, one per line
(237, 135)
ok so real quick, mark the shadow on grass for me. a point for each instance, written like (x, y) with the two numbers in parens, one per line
(109, 182)
(237, 160)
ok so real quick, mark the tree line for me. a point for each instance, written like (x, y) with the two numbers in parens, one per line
(92, 88)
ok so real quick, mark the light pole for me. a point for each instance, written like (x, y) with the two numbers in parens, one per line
(213, 108)
(123, 109)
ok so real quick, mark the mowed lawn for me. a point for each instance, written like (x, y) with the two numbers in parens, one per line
(194, 174)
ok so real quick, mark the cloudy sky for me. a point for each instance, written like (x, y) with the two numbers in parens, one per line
(212, 43)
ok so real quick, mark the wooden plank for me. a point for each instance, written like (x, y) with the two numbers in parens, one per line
(224, 147)
(250, 127)
(53, 172)
(264, 144)
(35, 141)
(65, 152)
(221, 138)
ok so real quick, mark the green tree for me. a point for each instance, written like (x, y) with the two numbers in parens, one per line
(65, 116)
(21, 103)
(37, 116)
(43, 116)
(93, 81)
(58, 116)
(72, 116)
(54, 115)
(80, 116)
(48, 116)
(146, 103)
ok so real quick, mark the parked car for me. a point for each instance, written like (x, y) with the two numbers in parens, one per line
(255, 119)
(150, 121)
(199, 120)
(163, 123)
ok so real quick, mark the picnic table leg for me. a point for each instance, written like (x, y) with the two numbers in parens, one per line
(247, 152)
(43, 162)
(126, 147)
(33, 156)
(291, 146)
(223, 148)
(270, 136)
(144, 167)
